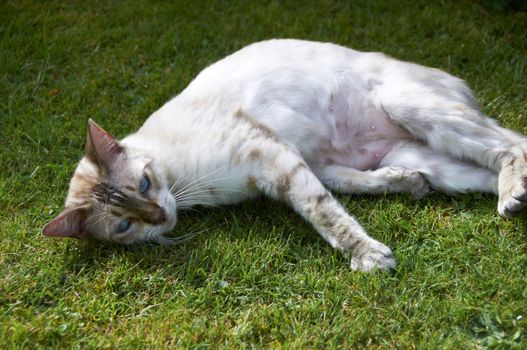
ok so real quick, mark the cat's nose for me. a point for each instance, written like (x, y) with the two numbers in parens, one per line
(158, 216)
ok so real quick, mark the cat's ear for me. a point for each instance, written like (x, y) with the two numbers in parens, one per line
(101, 147)
(69, 223)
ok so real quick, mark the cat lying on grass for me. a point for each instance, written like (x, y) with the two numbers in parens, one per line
(291, 119)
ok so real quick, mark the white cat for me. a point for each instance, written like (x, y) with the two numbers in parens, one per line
(289, 119)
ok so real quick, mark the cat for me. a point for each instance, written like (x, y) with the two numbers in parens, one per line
(294, 120)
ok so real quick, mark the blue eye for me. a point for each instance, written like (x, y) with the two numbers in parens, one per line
(144, 184)
(123, 225)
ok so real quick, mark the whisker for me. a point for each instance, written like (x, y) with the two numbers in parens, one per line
(190, 194)
(160, 239)
(187, 204)
(179, 179)
(195, 182)
(165, 240)
(188, 236)
(193, 189)
(214, 191)
(183, 206)
(201, 178)
(199, 198)
(198, 194)
(100, 217)
(201, 194)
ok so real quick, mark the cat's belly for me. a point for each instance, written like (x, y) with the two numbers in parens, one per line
(346, 128)
(361, 157)
(360, 145)
(320, 98)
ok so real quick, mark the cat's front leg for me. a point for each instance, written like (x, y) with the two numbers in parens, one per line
(283, 174)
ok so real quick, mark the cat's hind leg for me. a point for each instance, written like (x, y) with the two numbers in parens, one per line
(443, 115)
(386, 179)
(442, 171)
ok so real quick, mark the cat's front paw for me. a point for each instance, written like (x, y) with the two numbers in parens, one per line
(512, 193)
(371, 255)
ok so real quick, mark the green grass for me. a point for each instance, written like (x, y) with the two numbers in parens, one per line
(260, 277)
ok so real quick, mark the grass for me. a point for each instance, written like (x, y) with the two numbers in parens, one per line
(260, 277)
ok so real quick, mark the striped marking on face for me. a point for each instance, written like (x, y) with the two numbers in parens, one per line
(108, 194)
(136, 206)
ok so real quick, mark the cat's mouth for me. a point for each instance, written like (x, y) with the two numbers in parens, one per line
(165, 228)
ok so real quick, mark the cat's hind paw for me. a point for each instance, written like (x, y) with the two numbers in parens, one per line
(372, 255)
(512, 205)
(405, 180)
(512, 193)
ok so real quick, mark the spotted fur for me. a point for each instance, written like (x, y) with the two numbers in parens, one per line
(290, 119)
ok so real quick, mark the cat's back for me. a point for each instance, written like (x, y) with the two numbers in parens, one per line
(276, 53)
(308, 93)
(273, 63)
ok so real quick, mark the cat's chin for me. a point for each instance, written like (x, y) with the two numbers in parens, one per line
(170, 209)
(170, 224)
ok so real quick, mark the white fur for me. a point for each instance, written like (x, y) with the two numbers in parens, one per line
(285, 117)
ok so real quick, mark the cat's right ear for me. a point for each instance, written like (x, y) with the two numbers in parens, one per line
(69, 223)
(101, 147)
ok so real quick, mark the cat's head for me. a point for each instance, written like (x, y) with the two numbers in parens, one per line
(117, 194)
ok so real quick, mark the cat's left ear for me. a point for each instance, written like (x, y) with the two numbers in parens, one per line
(69, 223)
(101, 147)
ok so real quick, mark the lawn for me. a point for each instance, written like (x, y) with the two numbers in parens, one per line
(259, 277)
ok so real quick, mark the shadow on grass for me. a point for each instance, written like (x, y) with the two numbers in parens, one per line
(258, 222)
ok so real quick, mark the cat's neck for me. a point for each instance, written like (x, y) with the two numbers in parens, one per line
(187, 141)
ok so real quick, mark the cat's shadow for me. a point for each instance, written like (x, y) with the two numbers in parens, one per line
(256, 220)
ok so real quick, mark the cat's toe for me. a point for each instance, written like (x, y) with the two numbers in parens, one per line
(513, 198)
(510, 207)
(512, 188)
(406, 180)
(376, 256)
(418, 186)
